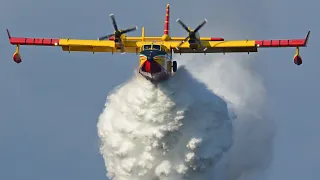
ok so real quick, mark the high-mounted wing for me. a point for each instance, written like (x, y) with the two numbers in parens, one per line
(69, 45)
(80, 45)
(193, 43)
(235, 46)
(76, 44)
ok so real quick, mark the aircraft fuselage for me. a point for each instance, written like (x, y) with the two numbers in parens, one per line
(156, 63)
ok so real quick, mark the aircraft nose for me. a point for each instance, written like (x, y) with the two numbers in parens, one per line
(150, 58)
(151, 66)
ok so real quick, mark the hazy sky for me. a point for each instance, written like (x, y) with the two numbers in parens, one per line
(50, 103)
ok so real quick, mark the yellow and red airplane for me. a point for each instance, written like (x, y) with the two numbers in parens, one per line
(155, 53)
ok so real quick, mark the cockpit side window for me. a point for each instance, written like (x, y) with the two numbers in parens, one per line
(146, 47)
(157, 47)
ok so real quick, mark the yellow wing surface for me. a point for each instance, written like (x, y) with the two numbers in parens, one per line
(213, 45)
(98, 46)
(80, 45)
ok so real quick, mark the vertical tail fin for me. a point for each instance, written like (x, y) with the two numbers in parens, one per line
(167, 21)
(166, 30)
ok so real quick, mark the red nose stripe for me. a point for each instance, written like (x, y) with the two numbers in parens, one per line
(147, 66)
(151, 67)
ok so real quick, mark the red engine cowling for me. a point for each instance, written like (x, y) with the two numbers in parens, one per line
(17, 58)
(297, 60)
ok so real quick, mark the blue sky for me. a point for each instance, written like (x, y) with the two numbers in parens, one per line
(50, 103)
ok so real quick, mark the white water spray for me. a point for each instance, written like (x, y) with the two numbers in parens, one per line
(181, 129)
(233, 78)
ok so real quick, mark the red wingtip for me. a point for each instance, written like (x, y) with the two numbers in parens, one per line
(9, 36)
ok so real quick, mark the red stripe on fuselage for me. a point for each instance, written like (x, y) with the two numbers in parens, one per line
(151, 67)
(147, 66)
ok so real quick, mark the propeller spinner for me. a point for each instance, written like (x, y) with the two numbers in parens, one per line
(192, 34)
(117, 33)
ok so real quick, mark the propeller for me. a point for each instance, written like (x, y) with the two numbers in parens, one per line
(117, 32)
(192, 34)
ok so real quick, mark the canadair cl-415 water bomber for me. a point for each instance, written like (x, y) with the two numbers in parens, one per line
(155, 53)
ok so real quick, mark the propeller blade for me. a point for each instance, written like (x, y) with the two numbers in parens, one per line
(106, 37)
(121, 46)
(183, 25)
(201, 44)
(192, 34)
(200, 25)
(117, 33)
(182, 42)
(114, 22)
(122, 49)
(129, 30)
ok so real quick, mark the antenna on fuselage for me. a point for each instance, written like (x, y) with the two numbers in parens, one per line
(142, 34)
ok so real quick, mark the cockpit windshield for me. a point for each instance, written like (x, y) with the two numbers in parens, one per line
(157, 47)
(151, 47)
(147, 47)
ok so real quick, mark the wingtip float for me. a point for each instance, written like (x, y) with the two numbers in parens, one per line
(155, 52)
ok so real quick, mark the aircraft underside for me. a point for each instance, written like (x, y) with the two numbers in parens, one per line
(155, 77)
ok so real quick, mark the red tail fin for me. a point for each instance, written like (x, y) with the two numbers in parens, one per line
(167, 21)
